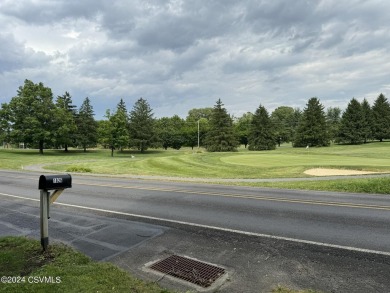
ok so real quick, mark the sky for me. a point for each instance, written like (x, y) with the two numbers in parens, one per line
(180, 55)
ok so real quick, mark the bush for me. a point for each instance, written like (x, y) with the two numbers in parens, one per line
(79, 169)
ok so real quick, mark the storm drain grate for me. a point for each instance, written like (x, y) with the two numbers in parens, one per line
(190, 270)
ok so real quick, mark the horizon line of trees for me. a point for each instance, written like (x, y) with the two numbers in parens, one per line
(35, 119)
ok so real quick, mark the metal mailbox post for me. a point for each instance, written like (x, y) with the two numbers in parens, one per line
(50, 182)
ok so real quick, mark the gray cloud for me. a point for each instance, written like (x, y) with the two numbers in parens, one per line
(185, 54)
(14, 56)
(44, 12)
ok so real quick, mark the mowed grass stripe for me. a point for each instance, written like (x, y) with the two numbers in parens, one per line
(284, 162)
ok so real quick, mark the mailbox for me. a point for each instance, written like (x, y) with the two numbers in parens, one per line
(51, 182)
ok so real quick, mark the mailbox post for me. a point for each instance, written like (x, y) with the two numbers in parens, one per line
(50, 182)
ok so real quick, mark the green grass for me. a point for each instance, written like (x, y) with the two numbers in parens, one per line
(22, 257)
(359, 185)
(284, 162)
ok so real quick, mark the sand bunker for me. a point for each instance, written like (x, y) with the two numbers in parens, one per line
(336, 172)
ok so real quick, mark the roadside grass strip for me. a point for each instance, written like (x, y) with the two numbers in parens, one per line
(25, 268)
(359, 185)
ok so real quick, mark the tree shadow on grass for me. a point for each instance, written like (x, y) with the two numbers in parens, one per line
(50, 152)
(136, 152)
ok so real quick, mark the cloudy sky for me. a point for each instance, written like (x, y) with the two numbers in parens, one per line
(181, 55)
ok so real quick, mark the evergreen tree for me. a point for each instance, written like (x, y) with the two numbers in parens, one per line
(312, 130)
(32, 115)
(120, 126)
(367, 121)
(122, 107)
(381, 118)
(106, 130)
(66, 121)
(220, 137)
(87, 135)
(141, 126)
(351, 127)
(261, 134)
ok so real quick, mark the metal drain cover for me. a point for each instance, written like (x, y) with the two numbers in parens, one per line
(190, 270)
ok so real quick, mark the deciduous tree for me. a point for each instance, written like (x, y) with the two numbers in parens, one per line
(5, 125)
(283, 123)
(333, 119)
(32, 115)
(199, 113)
(170, 132)
(242, 127)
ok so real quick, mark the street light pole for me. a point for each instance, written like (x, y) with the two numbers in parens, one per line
(198, 134)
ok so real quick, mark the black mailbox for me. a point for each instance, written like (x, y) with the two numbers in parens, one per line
(50, 182)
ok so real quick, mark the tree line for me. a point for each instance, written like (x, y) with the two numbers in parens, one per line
(33, 117)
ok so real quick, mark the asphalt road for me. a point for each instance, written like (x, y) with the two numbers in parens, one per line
(321, 240)
(355, 221)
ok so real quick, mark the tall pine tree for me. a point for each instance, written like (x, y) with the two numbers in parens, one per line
(86, 125)
(220, 137)
(312, 130)
(120, 126)
(142, 132)
(261, 134)
(381, 118)
(367, 121)
(351, 127)
(66, 112)
(106, 132)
